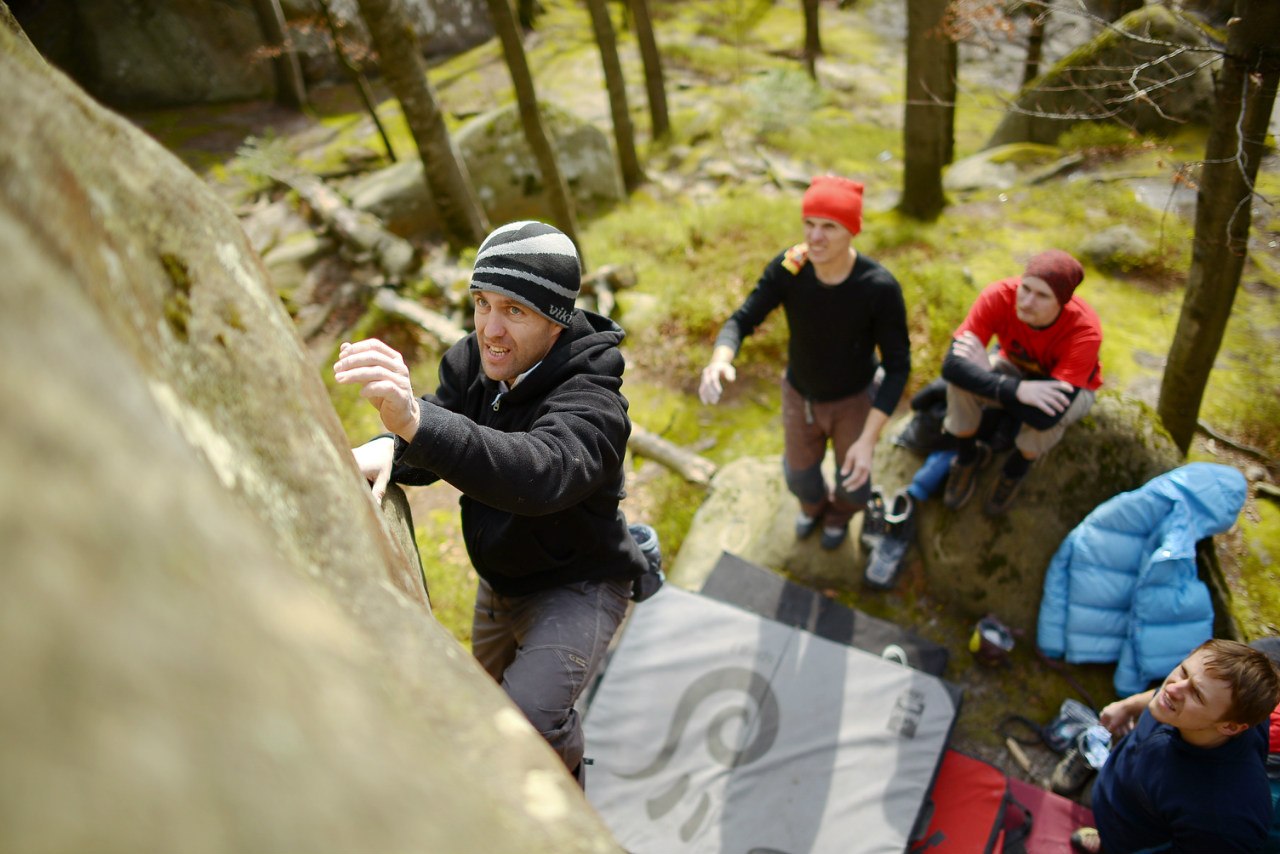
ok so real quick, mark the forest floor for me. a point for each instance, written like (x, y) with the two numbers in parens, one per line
(713, 212)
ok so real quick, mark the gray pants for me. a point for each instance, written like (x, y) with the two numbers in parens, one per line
(545, 648)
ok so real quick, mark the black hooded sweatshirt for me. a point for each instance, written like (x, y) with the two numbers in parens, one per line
(539, 466)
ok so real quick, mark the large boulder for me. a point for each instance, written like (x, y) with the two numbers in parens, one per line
(1097, 81)
(506, 175)
(973, 563)
(750, 513)
(503, 171)
(210, 639)
(980, 564)
(161, 52)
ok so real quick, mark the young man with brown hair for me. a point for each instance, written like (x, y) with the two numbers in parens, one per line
(1188, 773)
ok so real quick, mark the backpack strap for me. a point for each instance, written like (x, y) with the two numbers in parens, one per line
(1017, 821)
(795, 257)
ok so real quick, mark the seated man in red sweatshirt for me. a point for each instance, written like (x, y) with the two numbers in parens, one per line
(1045, 373)
(1188, 773)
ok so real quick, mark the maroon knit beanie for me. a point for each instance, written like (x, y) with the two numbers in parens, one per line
(835, 198)
(1060, 272)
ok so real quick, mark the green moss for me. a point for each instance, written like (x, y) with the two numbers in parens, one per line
(746, 422)
(838, 140)
(1025, 153)
(1259, 576)
(177, 303)
(1094, 136)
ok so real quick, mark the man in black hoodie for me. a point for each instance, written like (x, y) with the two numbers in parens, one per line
(529, 423)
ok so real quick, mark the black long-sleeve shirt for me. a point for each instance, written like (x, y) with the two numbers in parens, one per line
(836, 330)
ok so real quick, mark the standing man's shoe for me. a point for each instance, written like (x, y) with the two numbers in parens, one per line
(805, 525)
(833, 536)
(962, 479)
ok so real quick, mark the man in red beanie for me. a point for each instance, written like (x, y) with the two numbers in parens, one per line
(1045, 373)
(841, 308)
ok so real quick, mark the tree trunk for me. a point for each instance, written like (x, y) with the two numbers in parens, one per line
(928, 139)
(527, 11)
(1245, 94)
(812, 38)
(357, 77)
(562, 210)
(291, 91)
(1035, 45)
(623, 132)
(406, 74)
(660, 124)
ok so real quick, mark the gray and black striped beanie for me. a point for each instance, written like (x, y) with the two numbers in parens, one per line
(532, 263)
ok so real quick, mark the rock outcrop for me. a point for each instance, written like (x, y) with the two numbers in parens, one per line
(973, 563)
(1153, 83)
(159, 52)
(503, 171)
(210, 639)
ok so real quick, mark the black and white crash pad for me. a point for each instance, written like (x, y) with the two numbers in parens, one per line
(751, 586)
(714, 729)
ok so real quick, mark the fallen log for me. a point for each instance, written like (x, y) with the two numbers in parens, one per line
(598, 286)
(442, 328)
(615, 277)
(690, 466)
(394, 255)
(1233, 444)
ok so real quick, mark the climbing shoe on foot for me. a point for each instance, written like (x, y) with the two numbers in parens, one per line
(962, 478)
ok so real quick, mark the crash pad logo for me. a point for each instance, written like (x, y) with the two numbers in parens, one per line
(749, 705)
(905, 717)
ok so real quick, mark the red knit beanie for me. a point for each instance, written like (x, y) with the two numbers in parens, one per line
(835, 198)
(1060, 272)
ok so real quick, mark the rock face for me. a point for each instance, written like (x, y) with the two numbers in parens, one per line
(973, 563)
(1093, 82)
(503, 171)
(160, 52)
(210, 638)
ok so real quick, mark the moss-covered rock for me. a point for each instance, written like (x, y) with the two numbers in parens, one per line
(162, 52)
(750, 513)
(974, 563)
(503, 171)
(980, 564)
(1143, 83)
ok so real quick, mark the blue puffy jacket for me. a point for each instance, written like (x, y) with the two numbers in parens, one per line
(1123, 585)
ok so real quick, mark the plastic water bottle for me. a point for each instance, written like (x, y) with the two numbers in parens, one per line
(647, 539)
